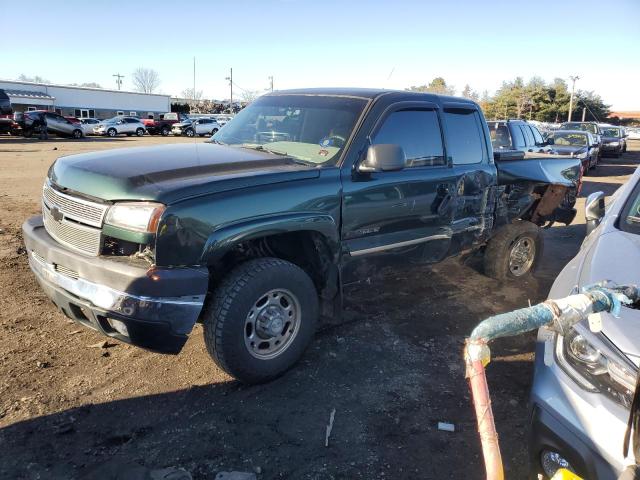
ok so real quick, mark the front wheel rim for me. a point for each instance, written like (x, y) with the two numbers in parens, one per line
(272, 324)
(522, 255)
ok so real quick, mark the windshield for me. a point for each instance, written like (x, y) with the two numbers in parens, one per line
(500, 137)
(570, 139)
(587, 127)
(312, 128)
(631, 213)
(611, 132)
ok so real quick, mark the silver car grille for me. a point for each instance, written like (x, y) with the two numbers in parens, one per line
(72, 221)
(77, 209)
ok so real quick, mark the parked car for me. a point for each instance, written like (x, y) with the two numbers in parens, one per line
(633, 133)
(200, 127)
(222, 119)
(56, 124)
(516, 135)
(584, 381)
(575, 143)
(8, 126)
(255, 233)
(5, 103)
(164, 123)
(591, 127)
(73, 119)
(614, 140)
(88, 124)
(120, 125)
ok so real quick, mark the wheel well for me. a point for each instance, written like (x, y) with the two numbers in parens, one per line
(308, 250)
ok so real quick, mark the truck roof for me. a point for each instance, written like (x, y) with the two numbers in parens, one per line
(368, 93)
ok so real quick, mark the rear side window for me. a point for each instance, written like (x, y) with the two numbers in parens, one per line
(465, 136)
(537, 136)
(518, 137)
(528, 135)
(417, 132)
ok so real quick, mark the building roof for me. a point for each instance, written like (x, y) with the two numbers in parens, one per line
(20, 82)
(29, 94)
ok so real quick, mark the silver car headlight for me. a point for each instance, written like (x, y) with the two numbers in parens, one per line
(136, 216)
(595, 367)
(614, 144)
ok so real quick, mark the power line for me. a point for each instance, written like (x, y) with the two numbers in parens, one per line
(118, 79)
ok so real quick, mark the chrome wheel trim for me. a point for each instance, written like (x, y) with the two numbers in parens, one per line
(522, 256)
(272, 324)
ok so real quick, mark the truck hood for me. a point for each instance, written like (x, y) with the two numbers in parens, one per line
(169, 173)
(615, 256)
(567, 150)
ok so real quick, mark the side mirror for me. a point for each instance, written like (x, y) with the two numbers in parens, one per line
(594, 210)
(385, 157)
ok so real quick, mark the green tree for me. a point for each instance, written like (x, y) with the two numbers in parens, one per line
(437, 85)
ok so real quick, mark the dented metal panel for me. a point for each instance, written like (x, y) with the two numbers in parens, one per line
(546, 170)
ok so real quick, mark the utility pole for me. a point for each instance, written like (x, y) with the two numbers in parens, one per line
(271, 80)
(230, 78)
(573, 87)
(118, 79)
(194, 80)
(584, 113)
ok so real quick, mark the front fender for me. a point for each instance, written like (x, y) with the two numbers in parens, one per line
(222, 240)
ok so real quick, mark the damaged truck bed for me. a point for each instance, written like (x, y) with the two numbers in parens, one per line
(255, 233)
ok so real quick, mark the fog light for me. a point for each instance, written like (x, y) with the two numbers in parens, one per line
(118, 326)
(552, 462)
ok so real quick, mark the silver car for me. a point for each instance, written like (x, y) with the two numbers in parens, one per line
(120, 125)
(584, 381)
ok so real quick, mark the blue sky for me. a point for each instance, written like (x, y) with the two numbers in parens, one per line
(305, 43)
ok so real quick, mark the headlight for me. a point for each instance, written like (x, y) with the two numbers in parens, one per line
(614, 144)
(596, 368)
(136, 216)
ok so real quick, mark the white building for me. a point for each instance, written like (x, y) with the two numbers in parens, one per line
(83, 102)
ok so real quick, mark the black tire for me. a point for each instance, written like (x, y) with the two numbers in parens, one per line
(214, 131)
(140, 132)
(77, 134)
(498, 252)
(165, 132)
(229, 307)
(189, 132)
(27, 133)
(112, 132)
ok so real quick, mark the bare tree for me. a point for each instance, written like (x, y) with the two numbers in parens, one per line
(145, 80)
(36, 79)
(188, 94)
(249, 96)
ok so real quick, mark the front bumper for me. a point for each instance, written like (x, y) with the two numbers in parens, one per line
(585, 428)
(151, 307)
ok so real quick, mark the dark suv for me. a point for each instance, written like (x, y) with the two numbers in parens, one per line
(516, 135)
(591, 127)
(31, 122)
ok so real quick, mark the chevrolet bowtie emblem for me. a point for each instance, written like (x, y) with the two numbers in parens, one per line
(56, 214)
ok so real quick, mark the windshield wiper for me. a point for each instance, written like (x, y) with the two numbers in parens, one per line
(262, 148)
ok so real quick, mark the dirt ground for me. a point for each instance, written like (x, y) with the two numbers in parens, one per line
(391, 373)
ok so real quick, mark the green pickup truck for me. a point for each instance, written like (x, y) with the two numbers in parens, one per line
(256, 232)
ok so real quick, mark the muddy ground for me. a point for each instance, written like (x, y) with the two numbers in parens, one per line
(391, 373)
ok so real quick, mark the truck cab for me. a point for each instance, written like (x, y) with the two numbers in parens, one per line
(256, 232)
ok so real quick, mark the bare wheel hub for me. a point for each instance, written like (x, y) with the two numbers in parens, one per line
(272, 323)
(522, 255)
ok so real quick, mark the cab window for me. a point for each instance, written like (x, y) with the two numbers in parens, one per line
(465, 136)
(417, 132)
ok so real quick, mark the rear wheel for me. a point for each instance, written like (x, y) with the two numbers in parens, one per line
(140, 132)
(260, 319)
(77, 134)
(513, 252)
(165, 131)
(112, 132)
(214, 131)
(27, 133)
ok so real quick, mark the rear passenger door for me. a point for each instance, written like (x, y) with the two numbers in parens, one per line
(399, 217)
(474, 173)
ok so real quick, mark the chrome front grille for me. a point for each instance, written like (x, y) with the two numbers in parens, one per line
(77, 209)
(65, 271)
(73, 235)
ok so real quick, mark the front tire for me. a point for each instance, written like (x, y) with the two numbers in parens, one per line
(190, 133)
(513, 252)
(77, 134)
(140, 132)
(260, 319)
(165, 132)
(112, 132)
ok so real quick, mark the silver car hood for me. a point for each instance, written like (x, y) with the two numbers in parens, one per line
(615, 255)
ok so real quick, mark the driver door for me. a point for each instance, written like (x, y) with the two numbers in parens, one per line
(400, 217)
